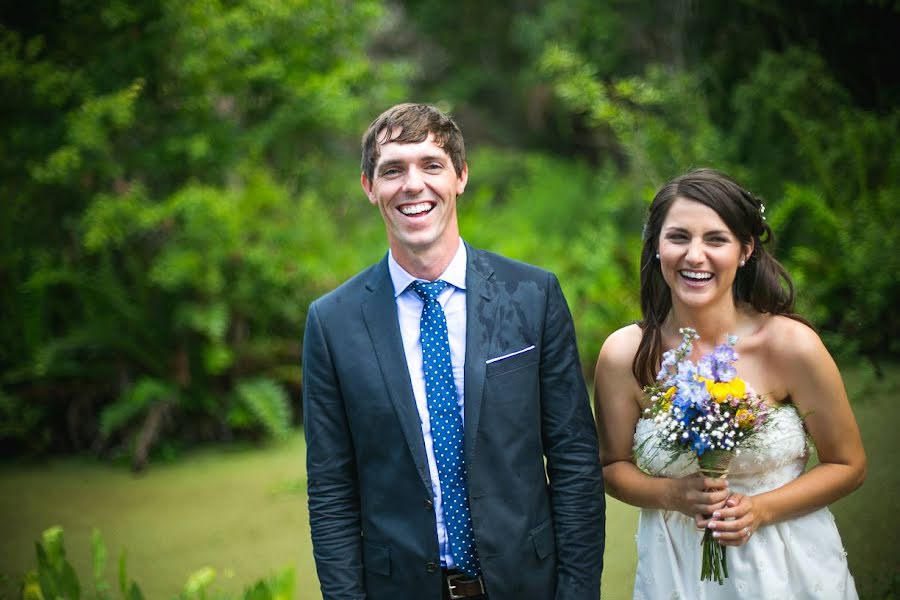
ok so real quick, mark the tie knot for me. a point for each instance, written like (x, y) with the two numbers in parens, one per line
(429, 290)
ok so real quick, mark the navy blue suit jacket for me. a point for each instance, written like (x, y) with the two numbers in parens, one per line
(534, 478)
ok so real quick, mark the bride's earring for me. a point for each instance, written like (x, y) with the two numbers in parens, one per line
(743, 262)
(657, 256)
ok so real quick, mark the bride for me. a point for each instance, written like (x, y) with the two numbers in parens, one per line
(704, 265)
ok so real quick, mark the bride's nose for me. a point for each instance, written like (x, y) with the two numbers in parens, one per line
(694, 252)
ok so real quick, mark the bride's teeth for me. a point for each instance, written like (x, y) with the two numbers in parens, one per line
(415, 209)
(697, 276)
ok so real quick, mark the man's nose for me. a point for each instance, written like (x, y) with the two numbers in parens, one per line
(413, 182)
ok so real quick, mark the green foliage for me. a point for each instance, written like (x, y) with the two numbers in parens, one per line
(835, 213)
(178, 169)
(828, 167)
(128, 589)
(98, 563)
(55, 577)
(280, 586)
(266, 401)
(581, 223)
(134, 403)
(659, 118)
(23, 423)
(180, 180)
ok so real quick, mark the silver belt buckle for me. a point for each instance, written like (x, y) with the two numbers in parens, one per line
(452, 587)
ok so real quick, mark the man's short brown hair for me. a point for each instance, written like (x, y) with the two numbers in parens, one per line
(411, 124)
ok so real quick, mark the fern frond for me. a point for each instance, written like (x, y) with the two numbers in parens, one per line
(268, 403)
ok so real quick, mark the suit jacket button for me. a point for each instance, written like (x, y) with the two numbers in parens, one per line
(429, 505)
(431, 567)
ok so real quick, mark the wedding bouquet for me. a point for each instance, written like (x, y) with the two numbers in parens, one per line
(707, 410)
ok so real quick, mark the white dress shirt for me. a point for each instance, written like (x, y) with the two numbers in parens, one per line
(409, 311)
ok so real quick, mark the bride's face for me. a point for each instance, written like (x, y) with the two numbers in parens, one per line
(699, 255)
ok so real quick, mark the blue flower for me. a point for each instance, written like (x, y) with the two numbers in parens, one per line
(717, 365)
(691, 395)
(687, 371)
(669, 360)
(699, 444)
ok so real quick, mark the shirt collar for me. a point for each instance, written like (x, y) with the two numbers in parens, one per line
(454, 274)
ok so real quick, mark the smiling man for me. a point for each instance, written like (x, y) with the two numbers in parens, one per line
(451, 450)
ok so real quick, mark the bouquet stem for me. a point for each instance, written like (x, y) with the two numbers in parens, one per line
(714, 566)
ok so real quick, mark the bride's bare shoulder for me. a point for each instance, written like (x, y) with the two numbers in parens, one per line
(619, 348)
(791, 339)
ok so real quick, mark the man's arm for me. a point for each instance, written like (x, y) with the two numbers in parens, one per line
(334, 516)
(573, 462)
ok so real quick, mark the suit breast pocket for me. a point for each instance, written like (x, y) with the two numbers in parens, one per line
(511, 361)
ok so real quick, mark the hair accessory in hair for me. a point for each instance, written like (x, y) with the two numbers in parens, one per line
(762, 211)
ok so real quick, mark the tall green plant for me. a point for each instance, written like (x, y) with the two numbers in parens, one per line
(54, 577)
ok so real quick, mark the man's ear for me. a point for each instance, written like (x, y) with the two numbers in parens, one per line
(463, 179)
(367, 187)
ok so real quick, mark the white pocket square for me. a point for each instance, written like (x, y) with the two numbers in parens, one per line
(510, 355)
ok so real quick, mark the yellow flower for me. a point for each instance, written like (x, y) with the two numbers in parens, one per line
(666, 403)
(721, 391)
(744, 417)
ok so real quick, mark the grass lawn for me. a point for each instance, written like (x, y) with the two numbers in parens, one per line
(243, 512)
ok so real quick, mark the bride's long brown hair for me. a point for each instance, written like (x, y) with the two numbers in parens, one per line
(762, 282)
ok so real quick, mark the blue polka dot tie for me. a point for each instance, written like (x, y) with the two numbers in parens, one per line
(446, 426)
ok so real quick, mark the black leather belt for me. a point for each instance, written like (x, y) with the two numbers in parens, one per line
(461, 585)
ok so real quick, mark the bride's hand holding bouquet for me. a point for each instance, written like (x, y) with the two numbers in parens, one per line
(697, 497)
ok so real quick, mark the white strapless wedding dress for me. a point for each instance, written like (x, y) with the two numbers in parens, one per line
(801, 558)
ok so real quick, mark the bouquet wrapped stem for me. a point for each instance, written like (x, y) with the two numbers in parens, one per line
(714, 567)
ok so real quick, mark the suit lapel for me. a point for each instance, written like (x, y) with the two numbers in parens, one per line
(380, 313)
(481, 309)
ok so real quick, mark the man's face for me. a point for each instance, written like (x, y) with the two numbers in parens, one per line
(415, 186)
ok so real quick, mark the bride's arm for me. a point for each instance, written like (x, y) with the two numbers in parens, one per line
(816, 389)
(617, 410)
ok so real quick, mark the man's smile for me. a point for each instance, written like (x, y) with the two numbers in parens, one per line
(420, 208)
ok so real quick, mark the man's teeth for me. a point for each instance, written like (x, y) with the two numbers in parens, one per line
(415, 209)
(699, 276)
